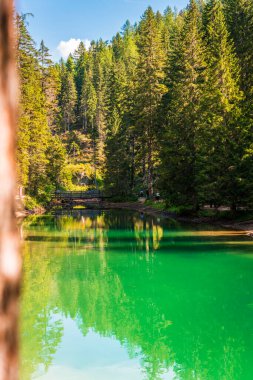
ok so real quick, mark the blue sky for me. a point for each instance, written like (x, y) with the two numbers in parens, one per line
(60, 23)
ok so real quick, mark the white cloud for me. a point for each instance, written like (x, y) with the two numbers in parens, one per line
(67, 47)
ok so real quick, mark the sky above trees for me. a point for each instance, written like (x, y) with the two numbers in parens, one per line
(62, 24)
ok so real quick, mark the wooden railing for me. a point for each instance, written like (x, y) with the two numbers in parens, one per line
(78, 195)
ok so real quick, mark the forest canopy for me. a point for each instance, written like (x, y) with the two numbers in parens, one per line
(165, 106)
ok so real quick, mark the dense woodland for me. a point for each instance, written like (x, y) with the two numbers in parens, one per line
(165, 106)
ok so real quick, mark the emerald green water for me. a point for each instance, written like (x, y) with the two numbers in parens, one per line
(113, 295)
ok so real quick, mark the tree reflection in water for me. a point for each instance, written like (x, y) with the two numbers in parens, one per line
(171, 300)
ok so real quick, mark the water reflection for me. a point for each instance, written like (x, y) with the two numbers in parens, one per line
(162, 300)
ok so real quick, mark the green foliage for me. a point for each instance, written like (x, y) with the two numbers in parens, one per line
(161, 205)
(149, 92)
(165, 106)
(186, 81)
(82, 175)
(68, 95)
(239, 16)
(221, 141)
(41, 156)
(30, 203)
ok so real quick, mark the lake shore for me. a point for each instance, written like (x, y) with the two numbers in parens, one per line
(246, 226)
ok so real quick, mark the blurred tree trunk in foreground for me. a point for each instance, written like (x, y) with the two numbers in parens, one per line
(10, 262)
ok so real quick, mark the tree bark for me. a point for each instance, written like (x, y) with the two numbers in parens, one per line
(10, 261)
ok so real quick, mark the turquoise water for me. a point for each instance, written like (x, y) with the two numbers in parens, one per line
(113, 295)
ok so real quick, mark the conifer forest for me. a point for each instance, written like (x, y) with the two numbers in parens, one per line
(165, 106)
(126, 190)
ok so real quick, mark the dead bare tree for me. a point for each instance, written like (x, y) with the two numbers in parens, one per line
(10, 261)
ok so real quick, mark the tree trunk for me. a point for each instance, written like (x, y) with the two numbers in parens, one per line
(150, 167)
(133, 163)
(10, 261)
(94, 155)
(233, 207)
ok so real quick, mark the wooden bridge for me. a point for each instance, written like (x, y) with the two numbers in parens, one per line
(70, 198)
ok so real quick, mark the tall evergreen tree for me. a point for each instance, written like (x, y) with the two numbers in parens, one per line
(169, 97)
(150, 89)
(80, 58)
(50, 82)
(102, 57)
(221, 112)
(117, 175)
(35, 141)
(45, 61)
(68, 94)
(186, 81)
(239, 17)
(33, 130)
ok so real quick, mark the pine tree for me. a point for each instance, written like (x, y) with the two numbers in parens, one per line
(118, 176)
(36, 145)
(169, 24)
(118, 168)
(129, 50)
(81, 63)
(33, 130)
(150, 89)
(186, 82)
(169, 96)
(102, 57)
(50, 82)
(68, 94)
(239, 17)
(45, 61)
(130, 57)
(221, 113)
(88, 104)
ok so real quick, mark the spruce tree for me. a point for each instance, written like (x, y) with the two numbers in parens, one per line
(68, 95)
(186, 81)
(45, 61)
(150, 89)
(81, 63)
(239, 17)
(50, 83)
(169, 97)
(37, 147)
(222, 133)
(102, 57)
(88, 104)
(117, 175)
(33, 135)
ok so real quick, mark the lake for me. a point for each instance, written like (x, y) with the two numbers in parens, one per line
(112, 295)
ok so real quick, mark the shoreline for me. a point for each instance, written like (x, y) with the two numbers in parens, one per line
(244, 226)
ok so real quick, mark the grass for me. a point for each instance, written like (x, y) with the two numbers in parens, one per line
(158, 205)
